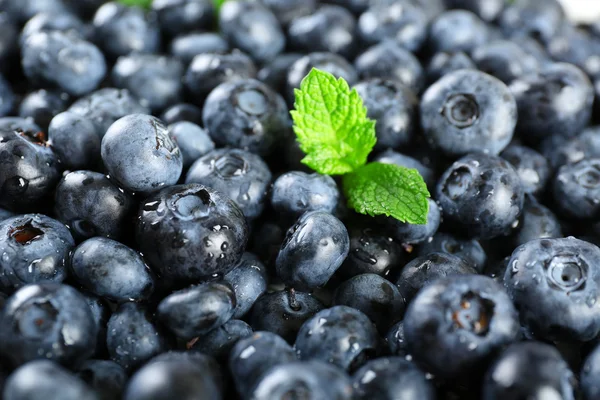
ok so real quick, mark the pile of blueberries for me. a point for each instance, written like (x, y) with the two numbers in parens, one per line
(161, 239)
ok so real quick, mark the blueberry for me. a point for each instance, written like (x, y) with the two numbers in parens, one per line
(252, 28)
(469, 250)
(482, 195)
(64, 22)
(576, 188)
(393, 106)
(427, 268)
(528, 370)
(537, 222)
(242, 176)
(395, 340)
(402, 160)
(42, 105)
(249, 281)
(5, 214)
(488, 10)
(91, 205)
(284, 312)
(19, 124)
(182, 16)
(392, 377)
(47, 320)
(560, 151)
(52, 382)
(9, 41)
(275, 72)
(468, 111)
(576, 46)
(7, 97)
(407, 233)
(467, 319)
(219, 341)
(387, 60)
(138, 153)
(193, 141)
(155, 80)
(246, 114)
(106, 377)
(538, 19)
(133, 337)
(314, 248)
(457, 30)
(329, 28)
(287, 11)
(504, 59)
(532, 167)
(181, 112)
(589, 375)
(100, 313)
(442, 63)
(356, 6)
(187, 46)
(22, 11)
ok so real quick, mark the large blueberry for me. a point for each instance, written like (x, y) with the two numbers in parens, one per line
(248, 281)
(576, 189)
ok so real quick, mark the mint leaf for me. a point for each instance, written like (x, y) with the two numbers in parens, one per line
(388, 189)
(218, 4)
(140, 3)
(331, 124)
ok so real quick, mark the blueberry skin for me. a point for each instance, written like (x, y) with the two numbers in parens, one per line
(182, 112)
(393, 106)
(42, 105)
(7, 97)
(395, 340)
(576, 46)
(249, 282)
(209, 233)
(252, 28)
(132, 336)
(407, 233)
(103, 107)
(553, 283)
(138, 153)
(556, 100)
(92, 205)
(155, 80)
(538, 19)
(242, 176)
(371, 252)
(457, 30)
(576, 188)
(21, 11)
(329, 28)
(392, 378)
(286, 11)
(9, 41)
(296, 192)
(19, 124)
(193, 141)
(30, 169)
(427, 268)
(253, 356)
(284, 312)
(340, 335)
(219, 342)
(532, 167)
(275, 72)
(182, 16)
(313, 249)
(196, 310)
(387, 60)
(442, 63)
(393, 157)
(246, 114)
(111, 270)
(486, 10)
(52, 382)
(100, 313)
(356, 6)
(529, 369)
(106, 377)
(313, 379)
(504, 59)
(468, 111)
(469, 250)
(455, 325)
(589, 375)
(120, 30)
(5, 214)
(67, 62)
(47, 320)
(187, 46)
(482, 195)
(64, 22)
(537, 222)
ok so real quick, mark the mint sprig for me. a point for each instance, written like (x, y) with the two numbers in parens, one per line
(333, 130)
(140, 3)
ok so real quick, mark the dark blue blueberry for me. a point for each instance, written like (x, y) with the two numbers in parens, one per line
(576, 46)
(84, 8)
(5, 214)
(329, 28)
(287, 11)
(42, 105)
(182, 112)
(52, 382)
(392, 378)
(455, 325)
(468, 249)
(402, 160)
(457, 30)
(253, 356)
(138, 153)
(557, 100)
(242, 176)
(284, 312)
(371, 253)
(356, 6)
(7, 96)
(30, 169)
(576, 189)
(34, 248)
(590, 374)
(103, 107)
(155, 80)
(313, 249)
(488, 10)
(64, 22)
(219, 341)
(442, 63)
(393, 106)
(395, 340)
(554, 284)
(249, 281)
(252, 28)
(531, 166)
(106, 377)
(120, 30)
(186, 47)
(182, 16)
(468, 111)
(406, 233)
(132, 336)
(101, 314)
(537, 222)
(91, 205)
(427, 268)
(23, 10)
(47, 320)
(9, 41)
(540, 19)
(296, 192)
(246, 114)
(303, 379)
(560, 151)
(481, 195)
(529, 370)
(504, 59)
(193, 141)
(275, 72)
(340, 335)
(18, 124)
(387, 60)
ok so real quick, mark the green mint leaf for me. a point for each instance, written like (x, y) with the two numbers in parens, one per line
(388, 189)
(218, 4)
(140, 3)
(331, 124)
